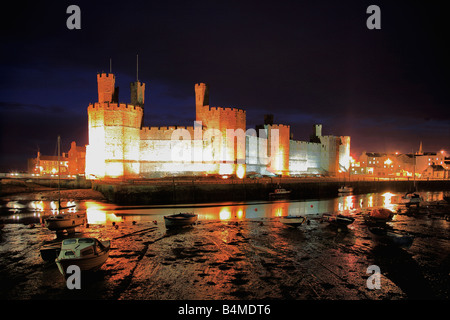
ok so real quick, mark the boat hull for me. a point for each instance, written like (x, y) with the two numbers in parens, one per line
(293, 221)
(90, 263)
(65, 222)
(338, 219)
(179, 220)
(345, 190)
(50, 252)
(411, 199)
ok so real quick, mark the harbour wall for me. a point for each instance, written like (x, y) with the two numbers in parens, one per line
(176, 192)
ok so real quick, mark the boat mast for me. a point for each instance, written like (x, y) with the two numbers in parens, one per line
(414, 170)
(59, 174)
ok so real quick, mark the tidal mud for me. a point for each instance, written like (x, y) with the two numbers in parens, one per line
(236, 259)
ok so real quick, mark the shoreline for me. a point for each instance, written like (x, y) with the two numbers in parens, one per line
(52, 194)
(175, 192)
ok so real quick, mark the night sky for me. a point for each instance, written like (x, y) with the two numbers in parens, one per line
(305, 62)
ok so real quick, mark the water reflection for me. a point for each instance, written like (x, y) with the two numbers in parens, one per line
(97, 213)
(387, 202)
(103, 213)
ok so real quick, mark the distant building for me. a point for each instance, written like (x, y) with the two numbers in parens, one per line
(435, 171)
(71, 163)
(422, 164)
(48, 165)
(426, 159)
(385, 165)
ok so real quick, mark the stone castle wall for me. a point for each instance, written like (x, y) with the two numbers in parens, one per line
(119, 146)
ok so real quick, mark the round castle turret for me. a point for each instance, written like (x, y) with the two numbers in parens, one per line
(114, 134)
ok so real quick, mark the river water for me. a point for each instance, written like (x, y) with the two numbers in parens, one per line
(102, 212)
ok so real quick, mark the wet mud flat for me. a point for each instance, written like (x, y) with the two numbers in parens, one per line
(237, 259)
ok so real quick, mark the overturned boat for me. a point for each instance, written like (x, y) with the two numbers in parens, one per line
(180, 220)
(89, 254)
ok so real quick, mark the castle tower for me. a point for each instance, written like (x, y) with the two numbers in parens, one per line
(106, 87)
(137, 96)
(317, 133)
(201, 101)
(137, 93)
(278, 146)
(114, 134)
(317, 130)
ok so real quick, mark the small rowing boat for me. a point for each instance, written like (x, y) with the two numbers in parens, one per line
(180, 220)
(338, 219)
(293, 221)
(378, 216)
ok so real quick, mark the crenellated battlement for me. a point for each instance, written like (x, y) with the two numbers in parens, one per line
(114, 106)
(169, 128)
(105, 75)
(280, 126)
(227, 110)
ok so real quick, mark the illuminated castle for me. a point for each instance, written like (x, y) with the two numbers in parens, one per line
(218, 142)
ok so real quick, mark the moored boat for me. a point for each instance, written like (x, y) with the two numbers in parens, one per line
(378, 215)
(411, 198)
(345, 189)
(279, 193)
(89, 254)
(293, 221)
(65, 221)
(180, 220)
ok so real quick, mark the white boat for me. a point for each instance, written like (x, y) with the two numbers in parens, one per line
(65, 221)
(412, 197)
(180, 220)
(89, 254)
(293, 221)
(279, 193)
(345, 189)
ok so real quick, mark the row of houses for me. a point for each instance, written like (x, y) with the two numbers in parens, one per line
(432, 165)
(70, 163)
